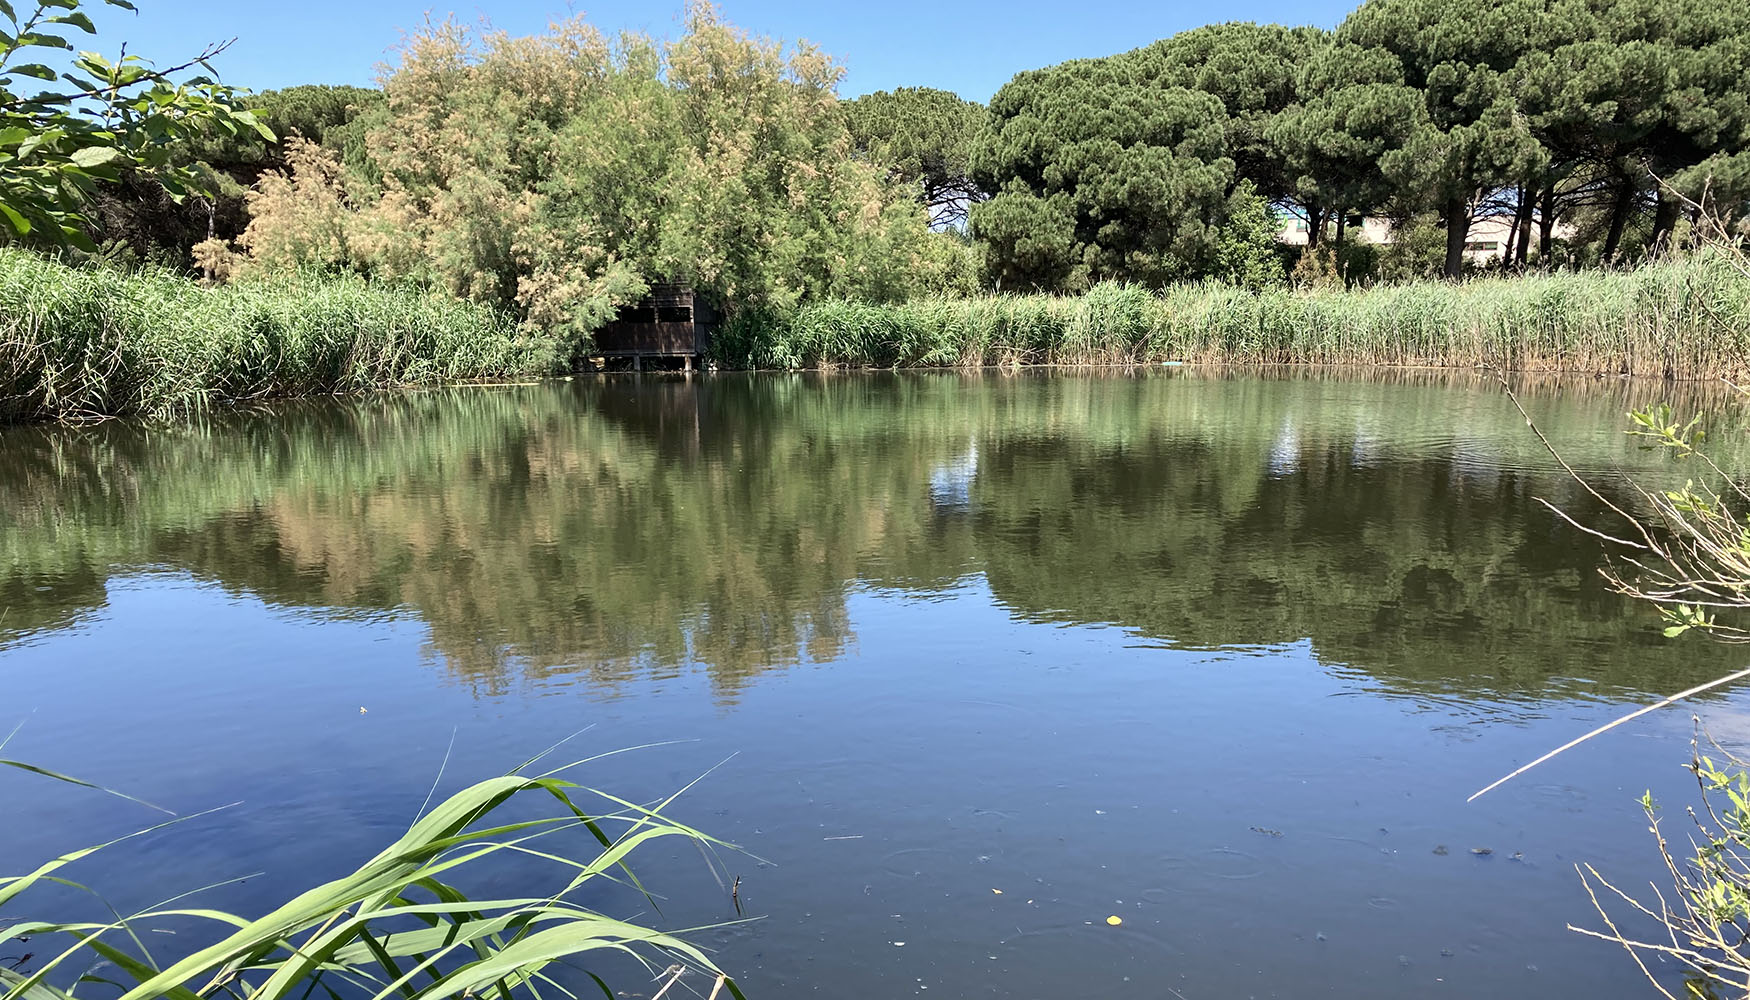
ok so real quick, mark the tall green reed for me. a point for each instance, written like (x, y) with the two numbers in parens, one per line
(1683, 318)
(402, 926)
(86, 342)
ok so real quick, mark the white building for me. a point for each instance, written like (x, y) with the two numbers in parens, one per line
(1486, 241)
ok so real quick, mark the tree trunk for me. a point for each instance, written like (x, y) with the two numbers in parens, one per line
(1521, 245)
(1527, 207)
(1513, 231)
(1546, 223)
(1664, 224)
(1342, 220)
(212, 220)
(1457, 231)
(1625, 197)
(1315, 221)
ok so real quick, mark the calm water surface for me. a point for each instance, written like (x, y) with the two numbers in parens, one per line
(1219, 654)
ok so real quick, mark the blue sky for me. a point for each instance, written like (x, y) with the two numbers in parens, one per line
(971, 47)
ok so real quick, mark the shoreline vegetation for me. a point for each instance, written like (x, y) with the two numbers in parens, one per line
(1678, 319)
(87, 343)
(80, 343)
(1423, 185)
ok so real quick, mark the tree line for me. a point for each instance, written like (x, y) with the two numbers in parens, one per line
(559, 175)
(1618, 117)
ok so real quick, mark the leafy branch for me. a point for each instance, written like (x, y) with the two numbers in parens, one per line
(112, 117)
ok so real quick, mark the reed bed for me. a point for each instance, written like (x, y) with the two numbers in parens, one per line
(86, 342)
(1680, 319)
(83, 343)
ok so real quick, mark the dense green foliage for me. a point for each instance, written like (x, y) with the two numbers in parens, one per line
(139, 214)
(1120, 168)
(1677, 319)
(97, 121)
(559, 175)
(1131, 167)
(924, 137)
(85, 342)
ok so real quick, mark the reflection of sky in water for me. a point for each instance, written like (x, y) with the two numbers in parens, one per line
(1247, 811)
(1367, 447)
(951, 481)
(1285, 451)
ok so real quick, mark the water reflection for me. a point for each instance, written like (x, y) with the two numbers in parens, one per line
(598, 531)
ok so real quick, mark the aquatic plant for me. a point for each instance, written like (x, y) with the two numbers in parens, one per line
(87, 342)
(401, 925)
(1682, 318)
(81, 342)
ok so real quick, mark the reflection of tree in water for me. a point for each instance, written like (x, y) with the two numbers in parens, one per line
(1422, 573)
(603, 530)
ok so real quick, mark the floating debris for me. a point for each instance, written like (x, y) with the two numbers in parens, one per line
(1481, 851)
(1266, 831)
(1440, 849)
(1114, 920)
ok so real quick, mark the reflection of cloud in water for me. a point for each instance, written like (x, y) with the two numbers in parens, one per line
(1285, 452)
(1366, 449)
(951, 481)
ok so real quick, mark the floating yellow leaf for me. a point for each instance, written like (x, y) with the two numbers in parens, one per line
(997, 891)
(1114, 921)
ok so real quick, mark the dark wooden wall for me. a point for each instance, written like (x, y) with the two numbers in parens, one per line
(671, 320)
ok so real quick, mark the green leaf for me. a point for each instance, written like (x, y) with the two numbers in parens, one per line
(45, 772)
(248, 118)
(95, 156)
(77, 238)
(22, 986)
(20, 224)
(123, 4)
(37, 70)
(45, 41)
(77, 19)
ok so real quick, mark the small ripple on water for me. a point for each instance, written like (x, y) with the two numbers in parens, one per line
(910, 862)
(1228, 863)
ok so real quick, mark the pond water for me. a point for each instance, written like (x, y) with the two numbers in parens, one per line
(985, 659)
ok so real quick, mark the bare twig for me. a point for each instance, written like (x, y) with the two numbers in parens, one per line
(1571, 744)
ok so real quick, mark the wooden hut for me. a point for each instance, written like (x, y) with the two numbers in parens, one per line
(671, 322)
